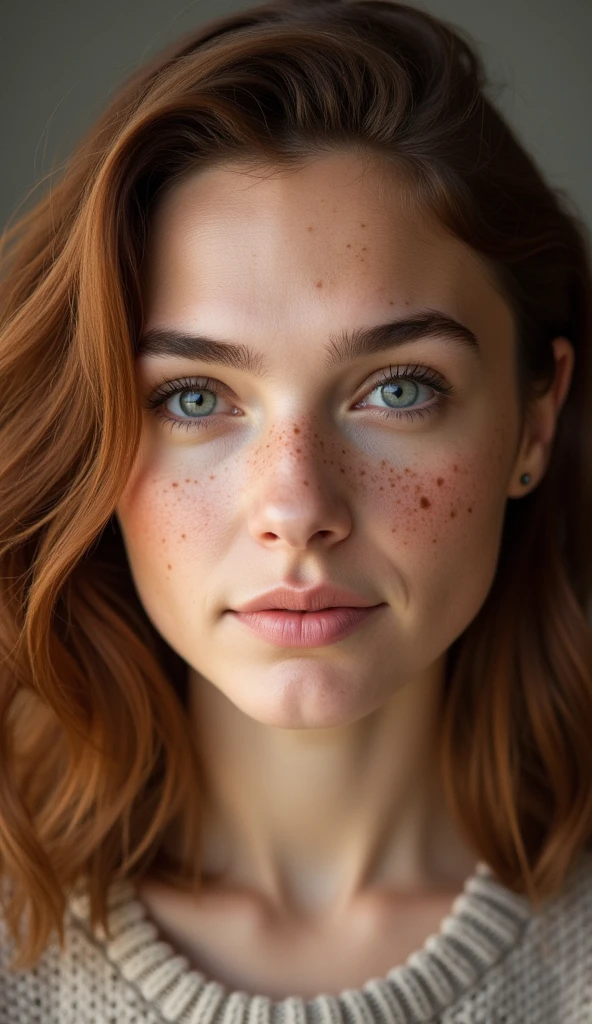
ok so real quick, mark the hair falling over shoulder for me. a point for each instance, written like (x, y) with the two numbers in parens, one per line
(96, 752)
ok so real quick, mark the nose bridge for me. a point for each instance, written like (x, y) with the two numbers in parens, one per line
(294, 486)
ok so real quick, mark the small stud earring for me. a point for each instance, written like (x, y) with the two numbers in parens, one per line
(525, 478)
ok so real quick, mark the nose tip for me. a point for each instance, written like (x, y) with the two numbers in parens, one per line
(297, 508)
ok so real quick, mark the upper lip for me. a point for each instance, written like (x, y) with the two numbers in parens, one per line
(311, 600)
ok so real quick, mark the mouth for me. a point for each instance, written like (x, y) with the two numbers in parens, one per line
(285, 627)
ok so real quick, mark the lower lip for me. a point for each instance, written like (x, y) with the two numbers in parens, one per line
(306, 629)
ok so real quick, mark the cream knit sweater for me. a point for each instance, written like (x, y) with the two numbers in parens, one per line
(492, 962)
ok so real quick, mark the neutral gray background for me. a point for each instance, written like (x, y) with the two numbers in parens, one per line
(61, 59)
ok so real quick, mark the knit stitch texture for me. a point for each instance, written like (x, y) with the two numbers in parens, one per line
(493, 962)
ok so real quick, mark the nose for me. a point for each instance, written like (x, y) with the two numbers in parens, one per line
(296, 498)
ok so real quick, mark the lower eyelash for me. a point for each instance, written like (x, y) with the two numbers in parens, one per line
(419, 374)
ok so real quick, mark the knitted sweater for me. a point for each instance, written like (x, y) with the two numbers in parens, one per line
(493, 962)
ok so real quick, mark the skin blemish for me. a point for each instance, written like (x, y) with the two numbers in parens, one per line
(319, 284)
(440, 481)
(425, 502)
(183, 536)
(175, 484)
(310, 228)
(452, 513)
(212, 477)
(169, 567)
(297, 430)
(348, 246)
(470, 508)
(362, 225)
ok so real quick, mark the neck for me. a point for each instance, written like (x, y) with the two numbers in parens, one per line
(311, 819)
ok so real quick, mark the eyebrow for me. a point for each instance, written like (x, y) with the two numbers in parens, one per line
(344, 346)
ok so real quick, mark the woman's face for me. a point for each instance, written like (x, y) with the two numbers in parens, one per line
(303, 468)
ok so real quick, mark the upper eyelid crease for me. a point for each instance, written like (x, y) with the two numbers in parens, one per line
(342, 347)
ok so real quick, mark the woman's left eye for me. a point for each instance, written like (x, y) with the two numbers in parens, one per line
(401, 388)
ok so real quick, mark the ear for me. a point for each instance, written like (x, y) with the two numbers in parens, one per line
(541, 422)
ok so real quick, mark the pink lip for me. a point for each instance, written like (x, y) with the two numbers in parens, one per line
(311, 599)
(306, 629)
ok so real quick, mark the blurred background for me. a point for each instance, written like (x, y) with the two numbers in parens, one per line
(60, 60)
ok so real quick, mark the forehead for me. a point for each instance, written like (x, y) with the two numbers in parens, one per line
(334, 238)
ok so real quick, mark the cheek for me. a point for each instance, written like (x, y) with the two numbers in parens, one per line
(168, 518)
(437, 509)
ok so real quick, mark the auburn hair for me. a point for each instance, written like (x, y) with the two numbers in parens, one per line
(97, 758)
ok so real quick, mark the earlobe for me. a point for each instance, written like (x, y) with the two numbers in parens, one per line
(541, 423)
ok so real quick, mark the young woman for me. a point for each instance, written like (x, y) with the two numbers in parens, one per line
(295, 497)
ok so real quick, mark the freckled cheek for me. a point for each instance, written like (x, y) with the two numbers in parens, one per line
(159, 518)
(455, 503)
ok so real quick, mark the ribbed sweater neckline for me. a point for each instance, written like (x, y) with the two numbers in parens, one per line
(485, 921)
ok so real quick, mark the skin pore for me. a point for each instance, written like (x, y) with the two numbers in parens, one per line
(328, 852)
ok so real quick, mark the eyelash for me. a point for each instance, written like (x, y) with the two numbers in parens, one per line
(419, 374)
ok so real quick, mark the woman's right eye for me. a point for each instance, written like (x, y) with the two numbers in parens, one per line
(194, 402)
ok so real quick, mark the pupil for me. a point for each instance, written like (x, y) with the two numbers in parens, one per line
(192, 401)
(397, 390)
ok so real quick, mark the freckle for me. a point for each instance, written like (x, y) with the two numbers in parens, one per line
(362, 225)
(319, 284)
(424, 502)
(297, 430)
(348, 246)
(440, 481)
(434, 541)
(470, 508)
(195, 481)
(183, 536)
(342, 471)
(169, 567)
(310, 228)
(343, 451)
(305, 482)
(175, 485)
(391, 303)
(381, 488)
(406, 469)
(362, 472)
(455, 468)
(162, 540)
(452, 513)
(212, 477)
